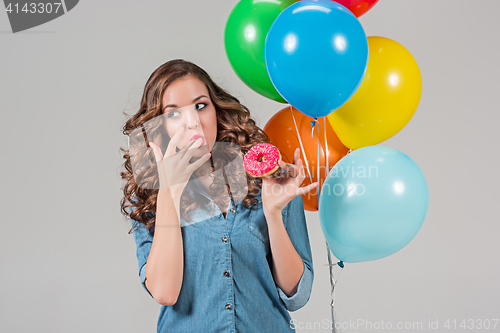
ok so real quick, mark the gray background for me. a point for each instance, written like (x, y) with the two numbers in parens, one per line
(67, 262)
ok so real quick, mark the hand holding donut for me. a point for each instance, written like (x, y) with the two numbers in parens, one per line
(276, 192)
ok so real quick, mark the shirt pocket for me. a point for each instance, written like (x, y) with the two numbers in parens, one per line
(257, 224)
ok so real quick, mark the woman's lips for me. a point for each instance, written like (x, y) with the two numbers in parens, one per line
(196, 136)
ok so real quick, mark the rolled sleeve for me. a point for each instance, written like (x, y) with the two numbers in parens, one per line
(294, 220)
(301, 297)
(143, 240)
(142, 275)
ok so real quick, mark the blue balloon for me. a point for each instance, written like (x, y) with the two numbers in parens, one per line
(372, 203)
(316, 55)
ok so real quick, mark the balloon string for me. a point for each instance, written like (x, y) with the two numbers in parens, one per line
(317, 171)
(326, 147)
(333, 283)
(301, 146)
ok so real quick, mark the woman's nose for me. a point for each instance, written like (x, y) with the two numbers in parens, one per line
(192, 119)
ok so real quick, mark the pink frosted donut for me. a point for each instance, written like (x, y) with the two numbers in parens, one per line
(270, 158)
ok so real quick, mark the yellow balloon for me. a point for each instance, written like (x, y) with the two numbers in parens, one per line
(385, 101)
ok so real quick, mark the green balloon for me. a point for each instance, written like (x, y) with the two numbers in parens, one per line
(245, 39)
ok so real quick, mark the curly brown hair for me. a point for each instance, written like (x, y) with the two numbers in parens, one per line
(234, 125)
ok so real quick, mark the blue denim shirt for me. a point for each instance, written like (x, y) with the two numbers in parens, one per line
(227, 283)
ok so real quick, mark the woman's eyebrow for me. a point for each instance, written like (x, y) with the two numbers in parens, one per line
(174, 106)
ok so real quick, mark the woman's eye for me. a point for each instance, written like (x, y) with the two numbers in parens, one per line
(205, 105)
(172, 112)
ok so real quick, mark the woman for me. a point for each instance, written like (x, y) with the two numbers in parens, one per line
(241, 270)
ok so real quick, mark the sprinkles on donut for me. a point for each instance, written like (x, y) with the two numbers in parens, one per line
(261, 160)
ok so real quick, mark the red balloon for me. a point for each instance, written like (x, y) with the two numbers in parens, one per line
(358, 7)
(283, 134)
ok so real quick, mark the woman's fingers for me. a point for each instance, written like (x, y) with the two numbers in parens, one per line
(196, 164)
(296, 155)
(159, 165)
(156, 151)
(302, 174)
(304, 190)
(173, 142)
(188, 151)
(294, 168)
(289, 167)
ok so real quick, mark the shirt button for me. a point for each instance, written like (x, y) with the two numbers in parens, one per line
(224, 239)
(228, 306)
(226, 273)
(232, 210)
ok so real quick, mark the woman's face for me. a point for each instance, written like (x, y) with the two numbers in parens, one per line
(186, 104)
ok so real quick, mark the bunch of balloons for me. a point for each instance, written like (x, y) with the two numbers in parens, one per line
(357, 92)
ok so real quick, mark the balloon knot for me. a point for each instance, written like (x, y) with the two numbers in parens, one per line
(341, 264)
(313, 123)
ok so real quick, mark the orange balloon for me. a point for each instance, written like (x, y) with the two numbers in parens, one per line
(283, 134)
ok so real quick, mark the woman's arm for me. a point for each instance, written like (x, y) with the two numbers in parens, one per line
(288, 266)
(165, 264)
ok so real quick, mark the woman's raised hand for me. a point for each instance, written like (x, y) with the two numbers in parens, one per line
(174, 169)
(277, 192)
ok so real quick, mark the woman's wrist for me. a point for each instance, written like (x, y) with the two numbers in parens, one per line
(270, 212)
(167, 202)
(176, 191)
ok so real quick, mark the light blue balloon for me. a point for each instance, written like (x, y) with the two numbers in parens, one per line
(372, 203)
(316, 55)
